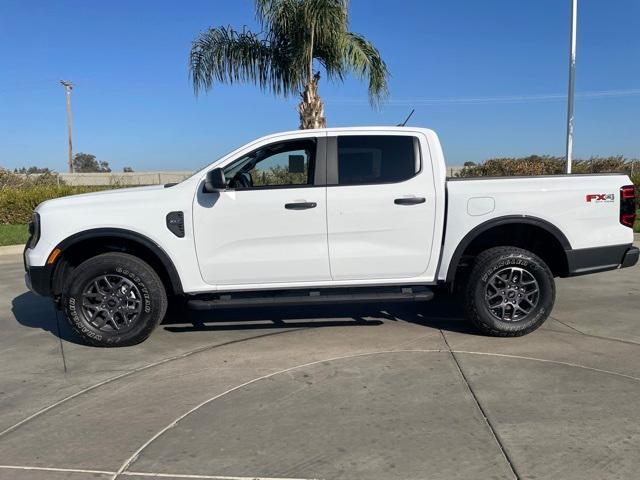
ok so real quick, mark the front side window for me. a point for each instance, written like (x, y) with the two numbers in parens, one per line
(366, 159)
(277, 165)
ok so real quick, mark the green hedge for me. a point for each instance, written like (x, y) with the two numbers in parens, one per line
(20, 194)
(548, 165)
(17, 203)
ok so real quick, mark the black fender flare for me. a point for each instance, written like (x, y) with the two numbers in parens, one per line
(157, 250)
(496, 222)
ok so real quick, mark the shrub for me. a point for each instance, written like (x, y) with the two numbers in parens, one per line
(10, 179)
(17, 203)
(549, 165)
(20, 194)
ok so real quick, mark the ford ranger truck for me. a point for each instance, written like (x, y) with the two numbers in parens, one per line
(342, 215)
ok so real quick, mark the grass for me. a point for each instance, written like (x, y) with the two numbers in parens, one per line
(13, 234)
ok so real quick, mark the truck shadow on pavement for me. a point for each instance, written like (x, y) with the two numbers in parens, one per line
(33, 311)
(441, 313)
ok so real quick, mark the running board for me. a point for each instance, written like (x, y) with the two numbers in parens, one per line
(312, 297)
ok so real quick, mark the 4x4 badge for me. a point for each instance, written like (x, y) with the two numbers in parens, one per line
(600, 197)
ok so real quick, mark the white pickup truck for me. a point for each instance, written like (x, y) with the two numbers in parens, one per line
(334, 215)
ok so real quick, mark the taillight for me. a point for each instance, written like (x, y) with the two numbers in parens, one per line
(628, 205)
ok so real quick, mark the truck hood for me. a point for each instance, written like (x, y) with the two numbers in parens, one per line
(106, 197)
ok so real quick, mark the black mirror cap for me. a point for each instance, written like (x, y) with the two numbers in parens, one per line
(215, 181)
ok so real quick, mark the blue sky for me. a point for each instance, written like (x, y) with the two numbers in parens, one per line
(489, 76)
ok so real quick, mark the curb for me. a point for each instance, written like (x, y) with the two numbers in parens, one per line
(11, 250)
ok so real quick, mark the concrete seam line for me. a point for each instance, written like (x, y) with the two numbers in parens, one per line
(610, 339)
(142, 474)
(127, 463)
(557, 362)
(487, 420)
(131, 372)
(54, 469)
(591, 335)
(64, 358)
(206, 477)
(566, 325)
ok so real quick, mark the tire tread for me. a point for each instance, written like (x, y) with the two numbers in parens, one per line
(482, 261)
(152, 279)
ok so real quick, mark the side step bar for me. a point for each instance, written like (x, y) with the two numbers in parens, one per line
(311, 297)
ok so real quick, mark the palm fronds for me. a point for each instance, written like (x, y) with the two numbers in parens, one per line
(364, 59)
(297, 35)
(226, 55)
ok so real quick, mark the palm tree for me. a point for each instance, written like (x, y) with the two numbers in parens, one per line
(298, 36)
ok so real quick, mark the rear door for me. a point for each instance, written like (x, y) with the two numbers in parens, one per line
(380, 205)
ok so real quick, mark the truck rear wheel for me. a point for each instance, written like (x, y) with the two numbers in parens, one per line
(510, 292)
(114, 300)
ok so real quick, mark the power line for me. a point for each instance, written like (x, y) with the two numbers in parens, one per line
(524, 98)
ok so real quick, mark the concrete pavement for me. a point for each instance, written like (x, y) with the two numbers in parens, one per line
(375, 392)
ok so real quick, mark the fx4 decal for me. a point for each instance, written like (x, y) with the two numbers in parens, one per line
(600, 197)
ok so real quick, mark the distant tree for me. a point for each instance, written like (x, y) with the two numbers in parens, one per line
(469, 164)
(30, 170)
(127, 169)
(87, 163)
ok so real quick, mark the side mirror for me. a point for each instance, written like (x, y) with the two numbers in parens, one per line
(215, 181)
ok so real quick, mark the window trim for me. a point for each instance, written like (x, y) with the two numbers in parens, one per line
(317, 176)
(332, 160)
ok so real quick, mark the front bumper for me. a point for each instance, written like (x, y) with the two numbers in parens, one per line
(38, 280)
(601, 259)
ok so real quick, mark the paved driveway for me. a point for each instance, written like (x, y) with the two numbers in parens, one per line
(368, 392)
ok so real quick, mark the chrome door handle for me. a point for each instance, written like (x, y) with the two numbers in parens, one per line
(409, 200)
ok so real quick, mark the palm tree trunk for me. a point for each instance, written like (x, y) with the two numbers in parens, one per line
(311, 108)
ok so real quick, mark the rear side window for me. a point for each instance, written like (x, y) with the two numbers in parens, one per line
(371, 159)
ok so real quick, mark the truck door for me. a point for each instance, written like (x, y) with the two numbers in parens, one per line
(270, 225)
(380, 205)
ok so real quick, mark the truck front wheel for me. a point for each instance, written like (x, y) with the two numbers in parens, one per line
(510, 292)
(113, 300)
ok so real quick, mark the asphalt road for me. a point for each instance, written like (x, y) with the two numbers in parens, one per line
(368, 392)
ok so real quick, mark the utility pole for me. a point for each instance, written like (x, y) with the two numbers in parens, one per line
(68, 86)
(572, 79)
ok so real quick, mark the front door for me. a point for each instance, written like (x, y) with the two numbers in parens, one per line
(269, 226)
(380, 206)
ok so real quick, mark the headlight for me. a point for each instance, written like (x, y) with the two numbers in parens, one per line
(34, 230)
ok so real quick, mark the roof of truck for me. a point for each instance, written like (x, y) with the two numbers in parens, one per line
(426, 131)
(359, 128)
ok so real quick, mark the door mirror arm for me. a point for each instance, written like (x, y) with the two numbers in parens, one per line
(214, 181)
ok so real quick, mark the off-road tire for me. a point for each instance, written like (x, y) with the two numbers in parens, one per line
(153, 299)
(493, 261)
